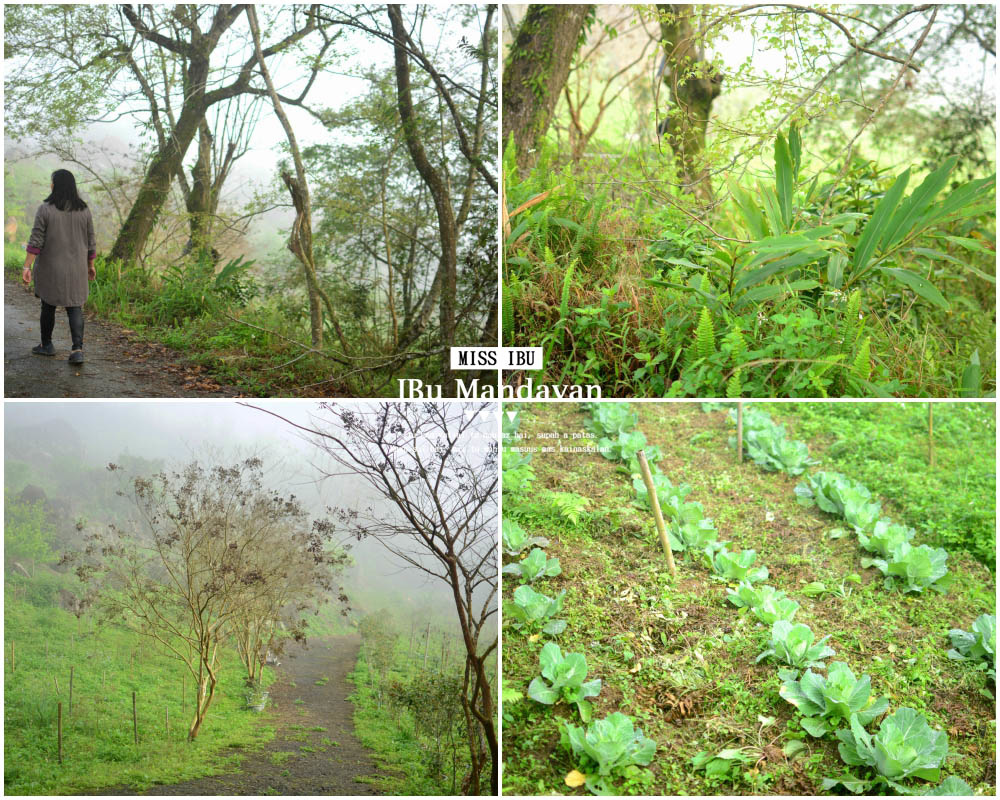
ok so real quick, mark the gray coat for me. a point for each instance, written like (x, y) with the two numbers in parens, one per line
(63, 242)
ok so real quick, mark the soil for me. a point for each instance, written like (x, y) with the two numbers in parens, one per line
(117, 364)
(345, 767)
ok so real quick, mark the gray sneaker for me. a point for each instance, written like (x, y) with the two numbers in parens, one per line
(76, 357)
(44, 350)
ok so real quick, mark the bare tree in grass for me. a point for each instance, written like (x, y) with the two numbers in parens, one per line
(289, 579)
(433, 468)
(196, 557)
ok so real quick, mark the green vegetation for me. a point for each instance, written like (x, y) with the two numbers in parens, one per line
(678, 658)
(563, 678)
(733, 213)
(979, 646)
(331, 269)
(407, 712)
(826, 702)
(886, 446)
(107, 664)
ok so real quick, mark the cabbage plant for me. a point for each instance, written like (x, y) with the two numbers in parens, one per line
(610, 419)
(689, 528)
(831, 491)
(536, 565)
(979, 644)
(795, 645)
(904, 747)
(665, 491)
(766, 444)
(563, 678)
(772, 608)
(915, 568)
(532, 610)
(861, 514)
(516, 540)
(883, 538)
(626, 446)
(607, 748)
(737, 566)
(826, 702)
(746, 595)
(772, 451)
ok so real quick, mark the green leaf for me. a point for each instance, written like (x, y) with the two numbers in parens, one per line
(961, 199)
(835, 270)
(816, 728)
(762, 293)
(783, 179)
(771, 209)
(751, 214)
(937, 255)
(910, 210)
(795, 149)
(972, 378)
(806, 255)
(875, 230)
(920, 285)
(668, 285)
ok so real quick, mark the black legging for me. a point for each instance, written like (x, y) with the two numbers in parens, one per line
(48, 323)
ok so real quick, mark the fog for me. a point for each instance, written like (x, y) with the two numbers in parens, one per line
(56, 439)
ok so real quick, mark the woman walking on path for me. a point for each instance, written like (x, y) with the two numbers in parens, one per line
(62, 249)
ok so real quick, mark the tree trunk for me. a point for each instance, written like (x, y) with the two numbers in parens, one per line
(300, 240)
(199, 200)
(691, 97)
(439, 189)
(535, 72)
(156, 184)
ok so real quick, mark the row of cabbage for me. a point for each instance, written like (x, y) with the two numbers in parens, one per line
(913, 748)
(606, 748)
(912, 569)
(905, 746)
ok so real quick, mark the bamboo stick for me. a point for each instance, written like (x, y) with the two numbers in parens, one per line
(654, 502)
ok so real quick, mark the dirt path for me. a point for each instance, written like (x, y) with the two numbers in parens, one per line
(300, 761)
(115, 367)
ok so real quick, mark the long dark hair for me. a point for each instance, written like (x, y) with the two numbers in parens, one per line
(64, 195)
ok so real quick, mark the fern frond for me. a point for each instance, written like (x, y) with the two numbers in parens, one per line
(862, 361)
(564, 301)
(734, 388)
(507, 302)
(737, 347)
(704, 336)
(569, 505)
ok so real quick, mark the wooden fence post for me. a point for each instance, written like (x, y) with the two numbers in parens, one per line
(71, 690)
(654, 503)
(135, 722)
(59, 730)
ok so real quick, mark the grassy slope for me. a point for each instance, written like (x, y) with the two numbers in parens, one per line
(702, 689)
(98, 748)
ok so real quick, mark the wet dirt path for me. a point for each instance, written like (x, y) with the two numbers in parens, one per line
(116, 366)
(327, 762)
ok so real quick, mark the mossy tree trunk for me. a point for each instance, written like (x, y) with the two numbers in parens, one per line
(535, 72)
